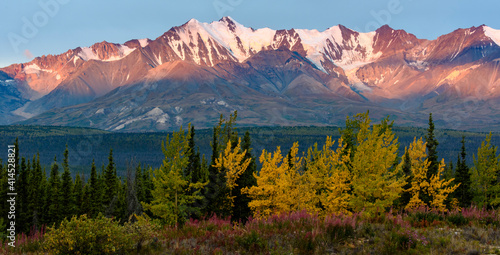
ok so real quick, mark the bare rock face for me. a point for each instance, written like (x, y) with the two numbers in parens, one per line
(195, 71)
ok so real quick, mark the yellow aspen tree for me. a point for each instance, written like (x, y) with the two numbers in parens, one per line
(436, 188)
(484, 174)
(234, 165)
(295, 193)
(439, 189)
(419, 166)
(376, 183)
(328, 178)
(278, 188)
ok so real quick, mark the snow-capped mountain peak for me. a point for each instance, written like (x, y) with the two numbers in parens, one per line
(493, 34)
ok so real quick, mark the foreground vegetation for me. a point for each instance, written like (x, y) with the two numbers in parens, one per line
(471, 231)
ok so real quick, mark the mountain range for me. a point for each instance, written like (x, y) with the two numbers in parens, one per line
(194, 72)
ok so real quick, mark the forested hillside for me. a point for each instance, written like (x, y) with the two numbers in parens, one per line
(87, 144)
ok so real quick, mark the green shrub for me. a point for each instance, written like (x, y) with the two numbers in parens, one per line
(457, 219)
(252, 241)
(142, 231)
(82, 235)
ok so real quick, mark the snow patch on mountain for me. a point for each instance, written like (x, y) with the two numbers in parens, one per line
(87, 53)
(493, 34)
(143, 42)
(34, 69)
(241, 41)
(124, 51)
(354, 52)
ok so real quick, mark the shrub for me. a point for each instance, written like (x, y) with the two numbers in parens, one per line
(82, 235)
(141, 231)
(457, 219)
(423, 217)
(252, 241)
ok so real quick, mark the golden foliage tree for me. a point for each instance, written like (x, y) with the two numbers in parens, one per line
(376, 182)
(328, 179)
(484, 174)
(419, 166)
(439, 189)
(233, 164)
(436, 188)
(278, 184)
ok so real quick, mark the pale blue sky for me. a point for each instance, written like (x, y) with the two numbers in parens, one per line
(73, 23)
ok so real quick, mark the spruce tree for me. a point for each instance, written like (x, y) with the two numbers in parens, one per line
(138, 183)
(94, 192)
(463, 192)
(53, 202)
(431, 144)
(85, 207)
(216, 192)
(350, 132)
(132, 204)
(193, 168)
(110, 181)
(213, 187)
(120, 204)
(35, 192)
(67, 204)
(78, 190)
(148, 184)
(22, 196)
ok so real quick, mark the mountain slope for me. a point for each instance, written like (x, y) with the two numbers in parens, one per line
(193, 72)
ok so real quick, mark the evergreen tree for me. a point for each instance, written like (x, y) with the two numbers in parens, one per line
(45, 191)
(449, 171)
(431, 144)
(463, 192)
(216, 192)
(148, 184)
(214, 187)
(22, 196)
(36, 192)
(193, 168)
(172, 194)
(66, 192)
(350, 132)
(86, 205)
(139, 183)
(94, 193)
(110, 181)
(120, 205)
(78, 195)
(204, 169)
(53, 202)
(132, 204)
